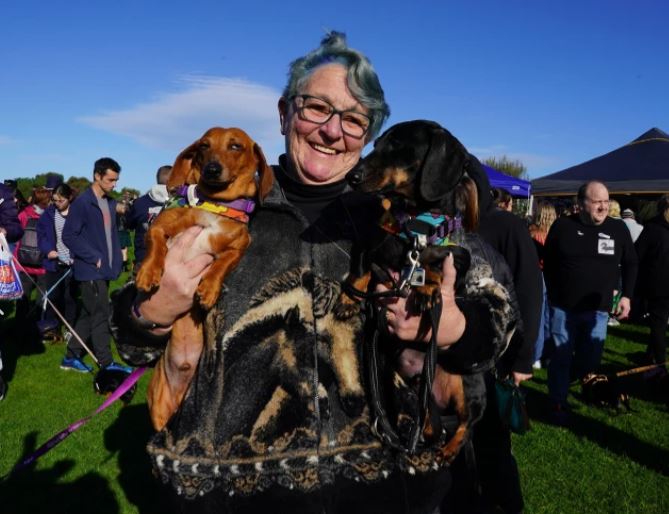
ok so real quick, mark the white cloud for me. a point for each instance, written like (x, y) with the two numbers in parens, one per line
(174, 120)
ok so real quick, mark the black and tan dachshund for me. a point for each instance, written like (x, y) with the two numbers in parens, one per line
(414, 170)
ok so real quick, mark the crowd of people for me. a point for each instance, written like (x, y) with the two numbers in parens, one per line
(67, 247)
(261, 414)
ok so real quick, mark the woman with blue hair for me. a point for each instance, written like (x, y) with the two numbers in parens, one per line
(269, 413)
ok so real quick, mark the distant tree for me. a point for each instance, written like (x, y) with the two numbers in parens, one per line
(25, 186)
(40, 179)
(515, 168)
(79, 184)
(129, 192)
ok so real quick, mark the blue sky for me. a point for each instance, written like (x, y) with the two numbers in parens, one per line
(552, 84)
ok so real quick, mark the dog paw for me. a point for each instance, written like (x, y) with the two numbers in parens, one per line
(206, 296)
(148, 278)
(425, 297)
(345, 310)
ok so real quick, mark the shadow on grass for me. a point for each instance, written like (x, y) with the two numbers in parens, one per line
(15, 341)
(42, 491)
(128, 436)
(606, 436)
(634, 336)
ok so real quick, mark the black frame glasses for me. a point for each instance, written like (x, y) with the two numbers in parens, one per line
(319, 111)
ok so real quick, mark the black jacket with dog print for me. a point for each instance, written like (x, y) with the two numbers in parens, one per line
(276, 417)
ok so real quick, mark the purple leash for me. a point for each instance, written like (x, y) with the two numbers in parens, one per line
(59, 437)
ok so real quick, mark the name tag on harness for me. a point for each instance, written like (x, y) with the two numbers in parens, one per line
(605, 246)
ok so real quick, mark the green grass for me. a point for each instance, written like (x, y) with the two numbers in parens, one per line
(607, 461)
(604, 463)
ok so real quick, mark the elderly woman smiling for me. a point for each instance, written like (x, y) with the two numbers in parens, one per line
(268, 414)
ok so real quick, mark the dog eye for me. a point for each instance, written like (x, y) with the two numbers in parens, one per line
(236, 147)
(203, 146)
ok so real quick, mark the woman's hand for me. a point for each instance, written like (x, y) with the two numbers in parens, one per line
(519, 377)
(175, 293)
(624, 307)
(407, 325)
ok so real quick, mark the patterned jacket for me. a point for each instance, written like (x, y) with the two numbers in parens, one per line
(276, 415)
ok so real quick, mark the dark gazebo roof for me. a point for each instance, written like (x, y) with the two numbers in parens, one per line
(641, 166)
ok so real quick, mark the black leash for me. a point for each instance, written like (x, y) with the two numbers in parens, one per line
(428, 405)
(382, 426)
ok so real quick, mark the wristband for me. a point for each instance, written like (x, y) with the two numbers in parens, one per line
(143, 322)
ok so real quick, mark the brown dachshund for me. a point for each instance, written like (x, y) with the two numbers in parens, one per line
(217, 179)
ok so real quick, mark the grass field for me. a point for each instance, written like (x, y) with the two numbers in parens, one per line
(604, 463)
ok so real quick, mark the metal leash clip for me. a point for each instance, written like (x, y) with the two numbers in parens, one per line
(412, 275)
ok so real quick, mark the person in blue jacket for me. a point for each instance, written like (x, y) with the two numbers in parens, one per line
(57, 260)
(144, 209)
(91, 235)
(11, 228)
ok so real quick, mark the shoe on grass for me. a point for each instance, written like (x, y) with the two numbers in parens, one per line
(613, 322)
(559, 415)
(74, 364)
(115, 366)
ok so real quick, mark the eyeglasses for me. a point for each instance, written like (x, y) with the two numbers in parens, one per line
(317, 110)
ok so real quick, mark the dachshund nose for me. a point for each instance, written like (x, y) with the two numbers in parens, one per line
(354, 176)
(212, 170)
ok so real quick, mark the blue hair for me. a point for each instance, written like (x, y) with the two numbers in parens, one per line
(362, 80)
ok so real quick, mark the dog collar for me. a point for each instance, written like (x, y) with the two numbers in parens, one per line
(432, 229)
(190, 196)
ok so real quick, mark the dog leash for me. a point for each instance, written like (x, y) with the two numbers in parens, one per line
(640, 369)
(427, 412)
(51, 289)
(128, 383)
(58, 313)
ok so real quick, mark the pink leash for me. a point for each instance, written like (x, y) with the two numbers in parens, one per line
(55, 440)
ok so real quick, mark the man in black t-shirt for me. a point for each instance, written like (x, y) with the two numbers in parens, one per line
(584, 256)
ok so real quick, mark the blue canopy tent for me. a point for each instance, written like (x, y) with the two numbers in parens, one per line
(639, 167)
(516, 187)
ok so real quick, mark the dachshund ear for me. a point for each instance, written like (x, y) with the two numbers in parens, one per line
(443, 166)
(183, 170)
(266, 174)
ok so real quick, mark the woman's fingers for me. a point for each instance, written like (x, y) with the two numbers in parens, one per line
(180, 247)
(449, 275)
(406, 324)
(181, 275)
(198, 265)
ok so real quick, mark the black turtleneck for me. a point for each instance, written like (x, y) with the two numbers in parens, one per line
(308, 198)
